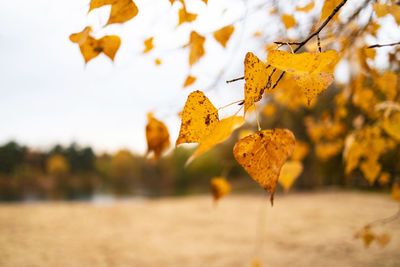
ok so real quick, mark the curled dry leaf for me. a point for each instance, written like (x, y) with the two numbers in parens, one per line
(196, 44)
(220, 187)
(289, 173)
(224, 34)
(263, 154)
(313, 72)
(91, 47)
(157, 136)
(121, 10)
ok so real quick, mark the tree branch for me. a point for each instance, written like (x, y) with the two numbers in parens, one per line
(382, 45)
(315, 33)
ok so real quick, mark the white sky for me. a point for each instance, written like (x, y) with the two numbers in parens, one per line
(48, 95)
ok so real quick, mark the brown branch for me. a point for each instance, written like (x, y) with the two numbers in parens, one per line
(287, 43)
(382, 45)
(315, 33)
(234, 80)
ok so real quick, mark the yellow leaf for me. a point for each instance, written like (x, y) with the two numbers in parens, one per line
(158, 61)
(368, 237)
(189, 81)
(384, 178)
(326, 150)
(185, 16)
(269, 110)
(148, 45)
(256, 77)
(196, 44)
(391, 125)
(224, 34)
(91, 47)
(263, 154)
(383, 239)
(300, 150)
(387, 84)
(243, 133)
(371, 170)
(121, 10)
(199, 117)
(382, 10)
(313, 72)
(288, 20)
(220, 187)
(396, 192)
(289, 173)
(157, 136)
(306, 8)
(219, 133)
(328, 7)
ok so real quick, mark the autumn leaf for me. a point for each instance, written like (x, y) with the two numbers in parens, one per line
(387, 84)
(382, 10)
(384, 178)
(91, 47)
(263, 154)
(199, 117)
(328, 7)
(327, 150)
(288, 21)
(148, 45)
(371, 169)
(368, 237)
(256, 77)
(224, 34)
(383, 239)
(391, 125)
(313, 72)
(196, 44)
(220, 187)
(269, 110)
(219, 133)
(289, 173)
(189, 81)
(121, 10)
(185, 16)
(300, 150)
(157, 136)
(157, 61)
(306, 8)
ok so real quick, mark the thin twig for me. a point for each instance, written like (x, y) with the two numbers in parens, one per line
(234, 80)
(382, 45)
(316, 32)
(287, 43)
(385, 220)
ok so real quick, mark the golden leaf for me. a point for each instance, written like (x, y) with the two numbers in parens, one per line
(269, 110)
(313, 72)
(121, 10)
(371, 169)
(328, 7)
(382, 10)
(306, 8)
(220, 187)
(326, 150)
(148, 45)
(91, 47)
(391, 125)
(288, 21)
(196, 44)
(289, 173)
(387, 84)
(224, 34)
(199, 117)
(256, 77)
(185, 16)
(219, 133)
(383, 239)
(158, 61)
(300, 150)
(263, 154)
(157, 136)
(368, 237)
(396, 192)
(384, 178)
(189, 81)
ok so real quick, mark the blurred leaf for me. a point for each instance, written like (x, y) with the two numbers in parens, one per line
(288, 21)
(121, 10)
(224, 34)
(289, 173)
(196, 44)
(148, 45)
(220, 187)
(157, 136)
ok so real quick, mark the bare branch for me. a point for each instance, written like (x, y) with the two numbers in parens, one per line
(382, 45)
(234, 80)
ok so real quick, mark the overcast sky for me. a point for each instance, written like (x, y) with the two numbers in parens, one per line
(49, 96)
